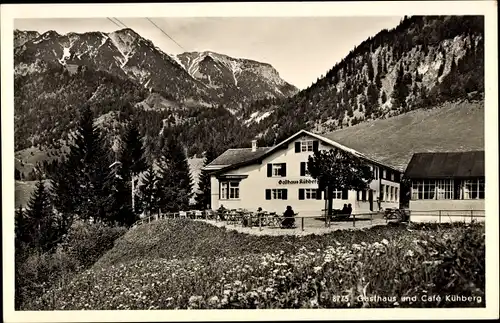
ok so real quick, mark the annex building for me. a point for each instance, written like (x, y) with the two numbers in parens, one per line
(274, 177)
(447, 186)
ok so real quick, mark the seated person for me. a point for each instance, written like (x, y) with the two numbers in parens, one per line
(345, 210)
(349, 209)
(289, 221)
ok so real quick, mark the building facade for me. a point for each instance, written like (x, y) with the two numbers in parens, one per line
(447, 186)
(274, 177)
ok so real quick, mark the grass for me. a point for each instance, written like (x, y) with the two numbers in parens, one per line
(181, 264)
(454, 126)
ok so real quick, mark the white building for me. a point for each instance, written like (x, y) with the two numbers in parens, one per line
(274, 177)
(447, 186)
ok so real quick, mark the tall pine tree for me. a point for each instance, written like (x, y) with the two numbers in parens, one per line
(132, 162)
(40, 224)
(175, 179)
(82, 187)
(203, 197)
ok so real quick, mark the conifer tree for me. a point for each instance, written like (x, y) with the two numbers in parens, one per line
(40, 224)
(81, 187)
(203, 197)
(370, 69)
(149, 191)
(175, 178)
(132, 161)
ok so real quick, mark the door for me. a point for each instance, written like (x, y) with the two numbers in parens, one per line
(370, 199)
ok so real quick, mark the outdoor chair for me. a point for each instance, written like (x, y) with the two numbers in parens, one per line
(198, 214)
(183, 214)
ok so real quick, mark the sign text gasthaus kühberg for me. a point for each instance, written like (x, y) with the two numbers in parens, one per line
(298, 181)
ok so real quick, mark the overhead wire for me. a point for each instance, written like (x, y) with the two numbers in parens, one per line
(114, 22)
(121, 22)
(166, 34)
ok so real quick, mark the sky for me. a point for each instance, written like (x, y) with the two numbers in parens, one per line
(301, 49)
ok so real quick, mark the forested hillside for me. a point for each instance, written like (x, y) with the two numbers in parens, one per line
(422, 62)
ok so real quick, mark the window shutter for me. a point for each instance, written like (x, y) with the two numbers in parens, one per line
(302, 169)
(269, 170)
(283, 169)
(318, 194)
(397, 177)
(363, 195)
(315, 145)
(301, 193)
(297, 147)
(284, 194)
(357, 195)
(268, 194)
(344, 194)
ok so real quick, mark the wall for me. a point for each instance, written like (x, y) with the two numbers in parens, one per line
(451, 210)
(252, 189)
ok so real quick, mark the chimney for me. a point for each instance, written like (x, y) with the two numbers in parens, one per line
(254, 145)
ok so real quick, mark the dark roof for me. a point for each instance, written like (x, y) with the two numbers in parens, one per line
(465, 164)
(238, 155)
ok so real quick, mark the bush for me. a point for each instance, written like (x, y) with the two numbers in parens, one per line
(86, 243)
(36, 272)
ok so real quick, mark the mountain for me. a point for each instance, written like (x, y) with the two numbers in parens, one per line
(235, 77)
(126, 54)
(422, 64)
(424, 61)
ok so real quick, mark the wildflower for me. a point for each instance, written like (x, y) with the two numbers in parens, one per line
(237, 283)
(317, 269)
(385, 242)
(213, 300)
(409, 253)
(313, 302)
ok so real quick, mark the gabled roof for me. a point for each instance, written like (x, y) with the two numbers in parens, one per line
(237, 155)
(442, 165)
(247, 159)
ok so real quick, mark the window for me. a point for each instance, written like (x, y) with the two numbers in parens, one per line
(361, 195)
(382, 190)
(473, 189)
(396, 196)
(444, 189)
(229, 190)
(276, 194)
(392, 194)
(375, 172)
(276, 170)
(392, 177)
(311, 193)
(337, 195)
(306, 145)
(423, 190)
(384, 174)
(387, 192)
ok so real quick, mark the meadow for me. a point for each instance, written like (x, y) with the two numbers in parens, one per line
(184, 264)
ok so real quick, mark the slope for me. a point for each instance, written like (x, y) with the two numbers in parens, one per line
(453, 126)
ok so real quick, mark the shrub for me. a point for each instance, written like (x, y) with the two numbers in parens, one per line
(37, 272)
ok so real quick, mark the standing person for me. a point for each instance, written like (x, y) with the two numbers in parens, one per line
(289, 221)
(349, 209)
